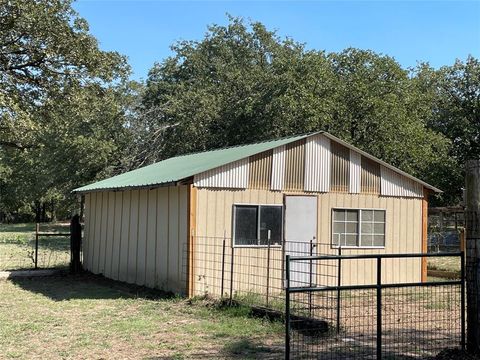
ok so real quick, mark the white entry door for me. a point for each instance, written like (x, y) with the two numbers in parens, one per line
(300, 229)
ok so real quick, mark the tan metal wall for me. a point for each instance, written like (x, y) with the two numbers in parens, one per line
(138, 236)
(214, 220)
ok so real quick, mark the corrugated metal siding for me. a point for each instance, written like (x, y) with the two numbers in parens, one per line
(355, 171)
(230, 176)
(278, 168)
(260, 173)
(370, 176)
(294, 165)
(317, 164)
(394, 184)
(138, 236)
(340, 172)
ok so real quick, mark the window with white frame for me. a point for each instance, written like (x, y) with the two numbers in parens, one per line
(255, 224)
(358, 227)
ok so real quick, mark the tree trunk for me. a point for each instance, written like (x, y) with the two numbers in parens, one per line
(82, 207)
(472, 218)
(37, 211)
(44, 212)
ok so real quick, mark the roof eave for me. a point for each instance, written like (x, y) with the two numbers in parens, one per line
(123, 188)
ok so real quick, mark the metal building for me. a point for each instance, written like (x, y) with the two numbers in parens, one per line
(142, 226)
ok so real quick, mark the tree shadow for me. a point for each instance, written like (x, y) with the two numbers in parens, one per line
(86, 286)
(243, 348)
(247, 349)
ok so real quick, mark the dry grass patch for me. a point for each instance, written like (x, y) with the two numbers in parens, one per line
(450, 264)
(88, 317)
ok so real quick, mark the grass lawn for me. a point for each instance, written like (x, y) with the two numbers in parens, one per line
(17, 246)
(87, 317)
(450, 264)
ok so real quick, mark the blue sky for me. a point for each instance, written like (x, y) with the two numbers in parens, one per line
(437, 32)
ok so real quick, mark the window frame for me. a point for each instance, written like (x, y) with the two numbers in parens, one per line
(234, 216)
(359, 229)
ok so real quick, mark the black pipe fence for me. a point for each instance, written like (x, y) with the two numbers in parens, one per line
(381, 319)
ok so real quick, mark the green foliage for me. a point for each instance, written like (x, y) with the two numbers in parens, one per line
(68, 115)
(63, 101)
(242, 83)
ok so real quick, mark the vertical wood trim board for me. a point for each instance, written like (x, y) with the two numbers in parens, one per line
(424, 233)
(192, 224)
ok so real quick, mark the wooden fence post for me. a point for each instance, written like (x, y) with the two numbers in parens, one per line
(37, 230)
(75, 244)
(472, 242)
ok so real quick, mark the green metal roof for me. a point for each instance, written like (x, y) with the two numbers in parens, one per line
(182, 167)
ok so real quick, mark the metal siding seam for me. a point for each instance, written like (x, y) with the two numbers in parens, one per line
(355, 168)
(317, 164)
(278, 168)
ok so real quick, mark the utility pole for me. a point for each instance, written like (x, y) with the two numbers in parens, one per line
(472, 218)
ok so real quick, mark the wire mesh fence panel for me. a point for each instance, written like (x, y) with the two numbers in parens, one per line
(384, 319)
(20, 255)
(53, 252)
(334, 312)
(421, 321)
(20, 250)
(17, 254)
(318, 333)
(252, 274)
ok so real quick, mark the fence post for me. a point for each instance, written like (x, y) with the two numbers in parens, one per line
(37, 230)
(462, 239)
(268, 262)
(472, 242)
(287, 307)
(223, 267)
(310, 270)
(379, 308)
(339, 283)
(75, 244)
(462, 298)
(231, 273)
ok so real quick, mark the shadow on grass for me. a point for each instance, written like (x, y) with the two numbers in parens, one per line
(243, 348)
(86, 286)
(248, 349)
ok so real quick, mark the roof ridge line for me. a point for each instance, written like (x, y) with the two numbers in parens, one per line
(242, 145)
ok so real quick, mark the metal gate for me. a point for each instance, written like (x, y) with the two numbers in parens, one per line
(340, 319)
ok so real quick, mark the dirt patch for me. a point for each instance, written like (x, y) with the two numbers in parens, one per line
(455, 354)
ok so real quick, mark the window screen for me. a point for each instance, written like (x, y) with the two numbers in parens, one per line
(252, 224)
(358, 228)
(270, 219)
(246, 225)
